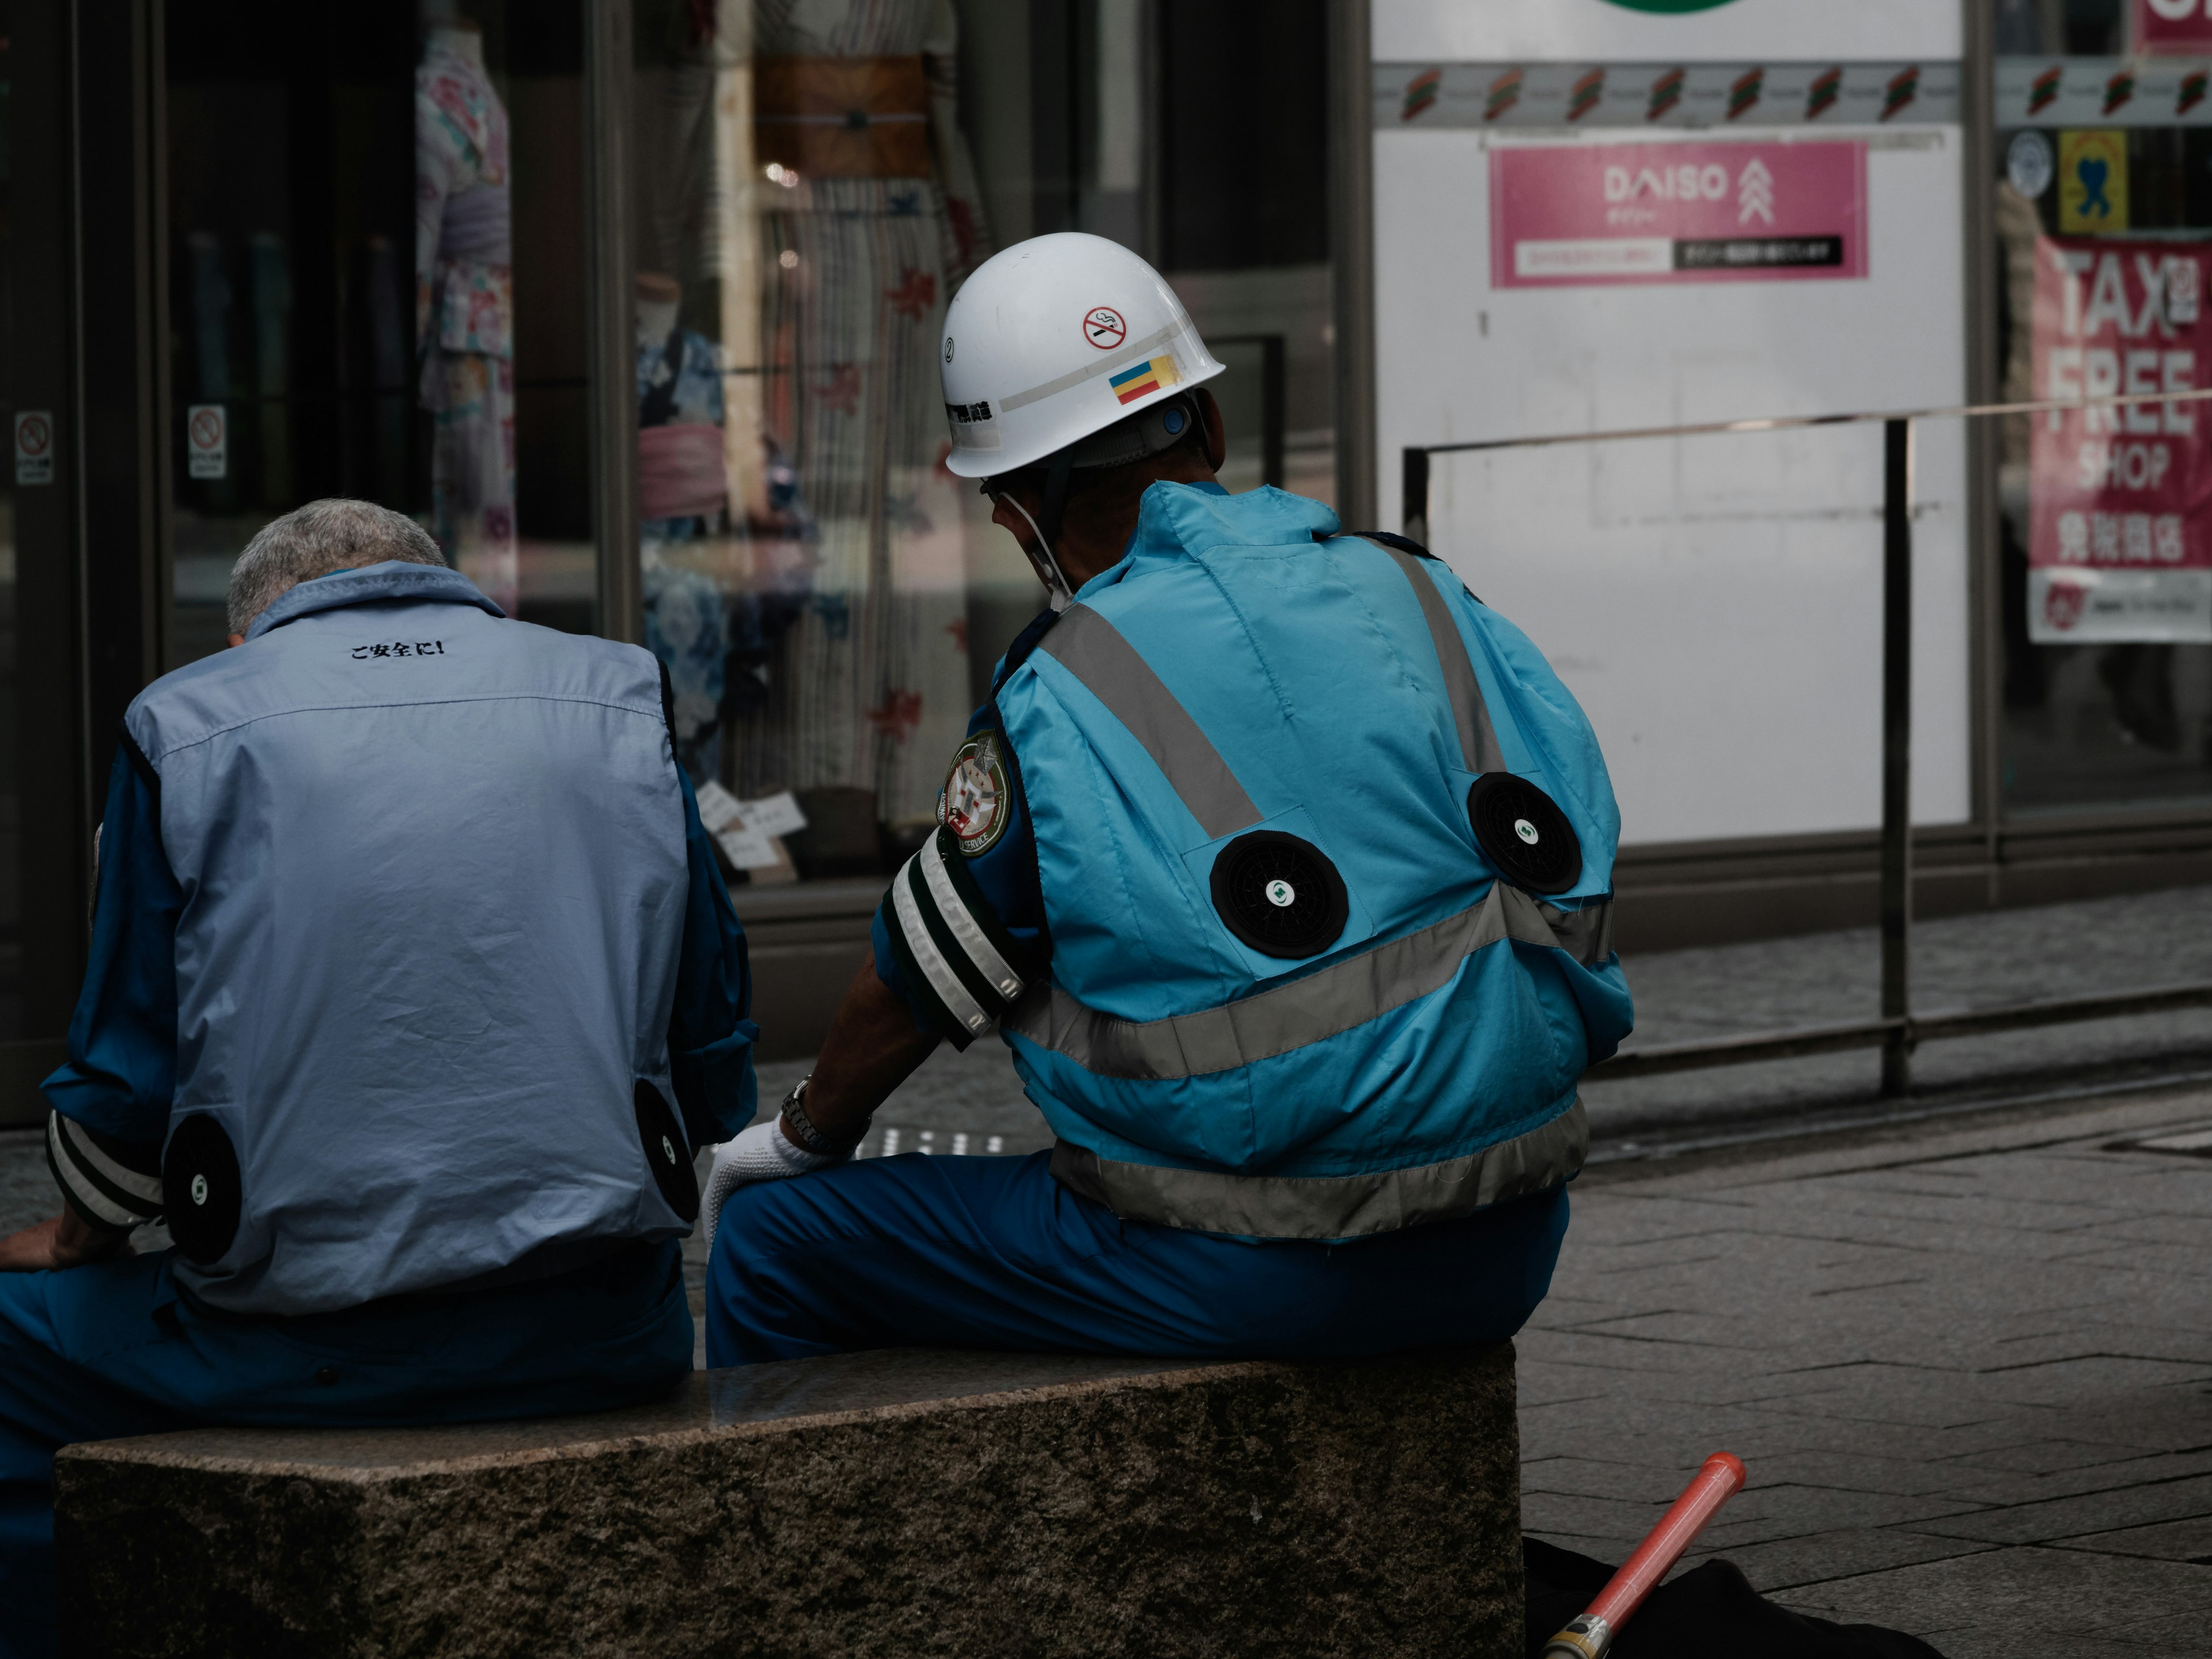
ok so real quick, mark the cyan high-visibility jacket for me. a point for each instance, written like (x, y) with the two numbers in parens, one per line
(1249, 685)
(424, 956)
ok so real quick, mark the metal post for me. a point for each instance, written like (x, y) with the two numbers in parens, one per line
(1896, 752)
(1273, 411)
(612, 328)
(1414, 525)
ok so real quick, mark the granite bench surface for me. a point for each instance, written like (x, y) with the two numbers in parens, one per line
(904, 1502)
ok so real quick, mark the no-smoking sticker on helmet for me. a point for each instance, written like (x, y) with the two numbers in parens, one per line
(1104, 327)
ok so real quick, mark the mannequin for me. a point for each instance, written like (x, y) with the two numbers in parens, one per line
(682, 499)
(869, 228)
(465, 306)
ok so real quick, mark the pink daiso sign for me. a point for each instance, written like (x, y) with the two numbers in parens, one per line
(1611, 214)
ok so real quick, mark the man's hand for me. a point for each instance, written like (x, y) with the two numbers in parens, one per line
(762, 1152)
(67, 1241)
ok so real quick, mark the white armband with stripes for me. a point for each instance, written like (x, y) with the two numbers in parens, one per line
(99, 1185)
(960, 963)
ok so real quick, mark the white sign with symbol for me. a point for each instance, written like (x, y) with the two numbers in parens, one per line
(207, 441)
(34, 447)
(1282, 895)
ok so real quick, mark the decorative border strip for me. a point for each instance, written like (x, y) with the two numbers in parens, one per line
(1518, 96)
(2104, 92)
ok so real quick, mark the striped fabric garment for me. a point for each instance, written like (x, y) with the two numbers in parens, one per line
(111, 1184)
(950, 943)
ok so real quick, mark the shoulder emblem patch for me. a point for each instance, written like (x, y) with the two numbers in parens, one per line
(973, 803)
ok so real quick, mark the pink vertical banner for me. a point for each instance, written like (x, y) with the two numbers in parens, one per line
(2172, 26)
(1581, 214)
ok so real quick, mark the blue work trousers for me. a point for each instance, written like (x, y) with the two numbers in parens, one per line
(993, 1252)
(96, 1352)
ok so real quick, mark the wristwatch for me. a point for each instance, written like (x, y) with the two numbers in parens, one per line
(803, 1131)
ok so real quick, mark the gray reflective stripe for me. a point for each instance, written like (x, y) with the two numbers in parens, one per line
(1585, 934)
(1478, 739)
(942, 980)
(1093, 649)
(1109, 365)
(954, 914)
(1330, 1206)
(1309, 1010)
(72, 1157)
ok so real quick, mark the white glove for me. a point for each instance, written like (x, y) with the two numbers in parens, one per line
(762, 1152)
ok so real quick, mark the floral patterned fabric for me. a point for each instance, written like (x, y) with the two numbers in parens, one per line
(465, 312)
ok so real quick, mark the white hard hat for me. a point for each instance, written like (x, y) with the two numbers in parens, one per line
(1054, 339)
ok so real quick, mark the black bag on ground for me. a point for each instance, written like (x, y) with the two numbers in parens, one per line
(1710, 1609)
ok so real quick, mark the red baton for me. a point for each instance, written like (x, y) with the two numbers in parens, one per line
(1589, 1636)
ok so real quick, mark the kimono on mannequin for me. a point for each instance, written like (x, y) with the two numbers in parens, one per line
(682, 496)
(867, 689)
(464, 309)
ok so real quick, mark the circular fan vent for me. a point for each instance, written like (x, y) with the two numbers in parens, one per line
(1527, 839)
(1279, 895)
(666, 1152)
(201, 1193)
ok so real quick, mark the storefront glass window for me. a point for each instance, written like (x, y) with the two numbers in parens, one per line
(376, 219)
(28, 443)
(2103, 209)
(812, 184)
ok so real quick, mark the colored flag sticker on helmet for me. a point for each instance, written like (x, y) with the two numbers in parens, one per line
(1141, 380)
(973, 803)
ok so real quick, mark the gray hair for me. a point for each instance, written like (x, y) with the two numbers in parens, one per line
(312, 541)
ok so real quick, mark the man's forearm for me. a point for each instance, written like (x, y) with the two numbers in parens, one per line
(873, 1047)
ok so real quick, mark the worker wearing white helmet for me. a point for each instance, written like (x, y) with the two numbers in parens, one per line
(1282, 866)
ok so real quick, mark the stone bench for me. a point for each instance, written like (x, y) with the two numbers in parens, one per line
(895, 1504)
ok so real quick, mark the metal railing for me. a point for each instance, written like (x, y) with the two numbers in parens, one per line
(1899, 1029)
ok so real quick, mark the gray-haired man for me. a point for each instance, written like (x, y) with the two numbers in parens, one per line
(412, 987)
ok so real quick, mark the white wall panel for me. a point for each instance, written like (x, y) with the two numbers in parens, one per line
(1715, 603)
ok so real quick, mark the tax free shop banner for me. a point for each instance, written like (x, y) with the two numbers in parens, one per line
(2119, 499)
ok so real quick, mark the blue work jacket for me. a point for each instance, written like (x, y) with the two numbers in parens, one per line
(1246, 671)
(414, 902)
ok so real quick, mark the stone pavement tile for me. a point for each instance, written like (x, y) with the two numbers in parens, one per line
(2007, 1488)
(1857, 1196)
(1557, 1312)
(1547, 1382)
(2044, 1456)
(1571, 1476)
(2091, 1377)
(1868, 1472)
(1589, 1516)
(2168, 1540)
(1790, 1511)
(2167, 1419)
(1677, 1454)
(1891, 1394)
(2018, 1597)
(1720, 1332)
(1839, 1552)
(1646, 1214)
(2182, 1230)
(1629, 1413)
(1625, 1354)
(2079, 1514)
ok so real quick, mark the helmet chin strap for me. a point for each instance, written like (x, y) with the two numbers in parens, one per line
(1044, 561)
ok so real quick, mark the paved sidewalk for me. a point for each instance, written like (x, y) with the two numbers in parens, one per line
(1969, 1366)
